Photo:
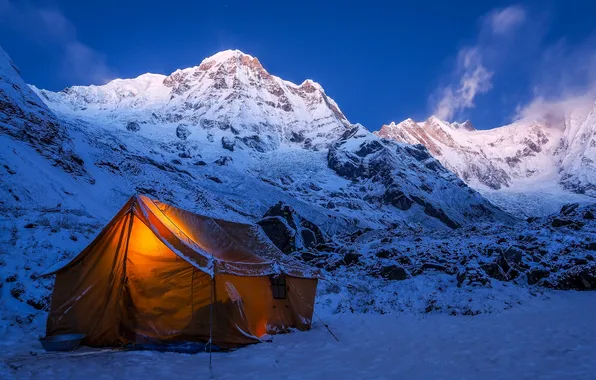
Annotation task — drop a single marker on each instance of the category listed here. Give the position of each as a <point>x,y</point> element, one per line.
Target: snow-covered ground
<point>552,338</point>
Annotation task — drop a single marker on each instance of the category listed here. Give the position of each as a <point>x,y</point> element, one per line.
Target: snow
<point>405,328</point>
<point>546,339</point>
<point>231,88</point>
<point>554,149</point>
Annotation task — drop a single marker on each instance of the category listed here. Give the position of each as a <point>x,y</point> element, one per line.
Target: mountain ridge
<point>558,148</point>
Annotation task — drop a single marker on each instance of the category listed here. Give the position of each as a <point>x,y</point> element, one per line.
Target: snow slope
<point>545,339</point>
<point>532,153</point>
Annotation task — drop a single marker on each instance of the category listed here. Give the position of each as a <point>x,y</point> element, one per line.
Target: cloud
<point>49,26</point>
<point>564,82</point>
<point>472,75</point>
<point>503,21</point>
<point>474,79</point>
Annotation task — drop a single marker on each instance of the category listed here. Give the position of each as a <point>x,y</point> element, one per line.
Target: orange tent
<point>157,273</point>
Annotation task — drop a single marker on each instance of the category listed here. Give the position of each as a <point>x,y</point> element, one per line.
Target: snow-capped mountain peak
<point>554,146</point>
<point>229,94</point>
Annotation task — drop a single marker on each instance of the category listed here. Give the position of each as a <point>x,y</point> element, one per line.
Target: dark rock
<point>440,214</point>
<point>133,126</point>
<point>30,225</point>
<point>200,163</point>
<point>223,160</point>
<point>569,208</point>
<point>580,277</point>
<point>177,161</point>
<point>394,273</point>
<point>11,278</point>
<point>385,253</point>
<point>589,215</point>
<point>42,304</point>
<point>308,256</point>
<point>256,143</point>
<point>512,256</point>
<point>228,143</point>
<point>561,222</point>
<point>418,151</point>
<point>182,132</point>
<point>532,219</point>
<point>397,198</point>
<point>279,232</point>
<point>296,222</point>
<point>297,137</point>
<point>308,238</point>
<point>351,258</point>
<point>591,246</point>
<point>536,274</point>
<point>214,179</point>
<point>403,260</point>
<point>438,267</point>
<point>472,275</point>
<point>369,147</point>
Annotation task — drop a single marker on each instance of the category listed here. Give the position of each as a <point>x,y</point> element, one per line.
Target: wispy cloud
<point>564,81</point>
<point>503,21</point>
<point>49,26</point>
<point>473,74</point>
<point>474,79</point>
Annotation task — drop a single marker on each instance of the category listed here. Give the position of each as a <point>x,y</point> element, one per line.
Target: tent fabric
<point>157,273</point>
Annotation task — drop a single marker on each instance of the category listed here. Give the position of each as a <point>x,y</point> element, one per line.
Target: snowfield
<point>547,338</point>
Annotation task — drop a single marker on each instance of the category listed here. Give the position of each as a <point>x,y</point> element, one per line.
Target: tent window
<point>278,287</point>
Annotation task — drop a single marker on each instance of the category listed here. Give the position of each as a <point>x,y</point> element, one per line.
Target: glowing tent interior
<point>157,273</point>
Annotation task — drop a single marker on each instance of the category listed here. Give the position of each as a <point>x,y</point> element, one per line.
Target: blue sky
<point>480,60</point>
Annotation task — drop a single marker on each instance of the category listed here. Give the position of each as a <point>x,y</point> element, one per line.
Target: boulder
<point>557,222</point>
<point>313,236</point>
<point>394,273</point>
<point>589,215</point>
<point>279,232</point>
<point>472,275</point>
<point>182,132</point>
<point>385,253</point>
<point>569,208</point>
<point>228,143</point>
<point>308,238</point>
<point>579,277</point>
<point>506,265</point>
<point>223,160</point>
<point>133,126</point>
<point>536,274</point>
<point>351,258</point>
<point>290,231</point>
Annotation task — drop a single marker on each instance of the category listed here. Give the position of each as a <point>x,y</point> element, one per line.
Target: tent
<point>160,274</point>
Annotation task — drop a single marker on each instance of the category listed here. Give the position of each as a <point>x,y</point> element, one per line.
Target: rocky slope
<point>554,149</point>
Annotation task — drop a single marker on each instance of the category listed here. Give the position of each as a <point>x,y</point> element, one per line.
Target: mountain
<point>24,117</point>
<point>388,225</point>
<point>230,95</point>
<point>69,161</point>
<point>230,110</point>
<point>557,149</point>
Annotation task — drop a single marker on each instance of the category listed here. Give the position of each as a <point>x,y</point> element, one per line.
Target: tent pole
<point>211,322</point>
